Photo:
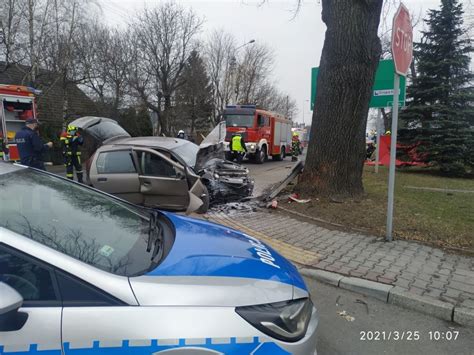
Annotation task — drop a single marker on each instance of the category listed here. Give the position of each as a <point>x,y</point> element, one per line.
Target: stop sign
<point>402,40</point>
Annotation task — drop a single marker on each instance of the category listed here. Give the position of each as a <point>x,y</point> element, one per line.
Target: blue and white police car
<point>82,272</point>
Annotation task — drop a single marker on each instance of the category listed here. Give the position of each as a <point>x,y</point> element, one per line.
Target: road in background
<point>337,335</point>
<point>270,173</point>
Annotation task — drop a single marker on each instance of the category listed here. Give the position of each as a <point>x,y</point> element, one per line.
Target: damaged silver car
<point>163,172</point>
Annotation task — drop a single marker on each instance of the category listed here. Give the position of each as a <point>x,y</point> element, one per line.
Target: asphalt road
<point>269,173</point>
<point>338,335</point>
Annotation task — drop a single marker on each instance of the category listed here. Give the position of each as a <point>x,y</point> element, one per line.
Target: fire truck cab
<point>265,133</point>
<point>17,104</point>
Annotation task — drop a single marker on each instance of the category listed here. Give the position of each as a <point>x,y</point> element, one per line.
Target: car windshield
<point>239,121</point>
<point>188,152</point>
<point>75,220</point>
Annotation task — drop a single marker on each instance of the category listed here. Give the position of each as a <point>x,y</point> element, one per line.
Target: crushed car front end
<point>226,181</point>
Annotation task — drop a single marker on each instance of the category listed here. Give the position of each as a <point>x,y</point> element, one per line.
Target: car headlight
<point>286,321</point>
<point>252,146</point>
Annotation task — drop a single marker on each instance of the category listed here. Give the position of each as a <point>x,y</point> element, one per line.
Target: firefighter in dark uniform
<point>72,155</point>
<point>295,146</point>
<point>237,147</point>
<point>3,147</point>
<point>30,145</point>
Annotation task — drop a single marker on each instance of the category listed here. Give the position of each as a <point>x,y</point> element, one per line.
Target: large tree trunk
<point>348,62</point>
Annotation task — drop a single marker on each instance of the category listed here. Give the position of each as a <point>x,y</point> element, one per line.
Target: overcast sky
<point>297,40</point>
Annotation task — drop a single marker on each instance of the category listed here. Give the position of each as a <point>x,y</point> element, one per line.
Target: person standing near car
<point>30,145</point>
<point>237,147</point>
<point>71,153</point>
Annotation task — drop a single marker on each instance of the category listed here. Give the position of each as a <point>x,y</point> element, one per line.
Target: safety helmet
<point>295,134</point>
<point>388,133</point>
<point>181,131</point>
<point>71,128</point>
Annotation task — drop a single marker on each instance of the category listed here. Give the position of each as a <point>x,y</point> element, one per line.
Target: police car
<point>82,272</point>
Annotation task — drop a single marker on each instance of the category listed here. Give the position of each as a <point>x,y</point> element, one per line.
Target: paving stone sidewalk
<point>420,269</point>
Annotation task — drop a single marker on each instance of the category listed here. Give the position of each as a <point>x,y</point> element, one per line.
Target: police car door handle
<point>102,179</point>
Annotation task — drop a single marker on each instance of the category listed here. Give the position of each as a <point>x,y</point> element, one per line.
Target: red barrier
<point>384,154</point>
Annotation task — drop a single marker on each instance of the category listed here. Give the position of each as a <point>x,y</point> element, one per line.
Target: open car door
<point>97,130</point>
<point>163,182</point>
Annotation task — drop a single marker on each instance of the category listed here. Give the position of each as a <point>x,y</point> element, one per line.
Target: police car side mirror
<point>10,302</point>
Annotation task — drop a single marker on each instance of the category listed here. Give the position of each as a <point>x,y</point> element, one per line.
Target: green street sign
<point>382,92</point>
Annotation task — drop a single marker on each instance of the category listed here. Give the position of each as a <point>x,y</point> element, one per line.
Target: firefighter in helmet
<point>237,147</point>
<point>295,146</point>
<point>71,140</point>
<point>181,134</point>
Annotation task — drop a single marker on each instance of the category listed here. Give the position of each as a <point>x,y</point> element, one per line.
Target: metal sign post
<point>378,127</point>
<point>393,156</point>
<point>402,51</point>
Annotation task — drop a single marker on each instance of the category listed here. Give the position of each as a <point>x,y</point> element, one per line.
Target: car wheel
<point>261,155</point>
<point>205,201</point>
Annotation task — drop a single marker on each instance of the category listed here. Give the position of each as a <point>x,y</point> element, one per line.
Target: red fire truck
<point>265,133</point>
<point>17,104</point>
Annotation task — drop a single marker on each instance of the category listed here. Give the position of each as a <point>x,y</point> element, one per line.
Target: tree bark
<point>350,56</point>
<point>387,121</point>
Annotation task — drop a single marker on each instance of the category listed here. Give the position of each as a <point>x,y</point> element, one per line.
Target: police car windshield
<point>239,121</point>
<point>76,221</point>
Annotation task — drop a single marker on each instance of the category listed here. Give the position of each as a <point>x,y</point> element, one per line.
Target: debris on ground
<point>273,204</point>
<point>346,316</point>
<point>364,303</point>
<point>296,198</point>
<point>336,199</point>
<point>235,207</point>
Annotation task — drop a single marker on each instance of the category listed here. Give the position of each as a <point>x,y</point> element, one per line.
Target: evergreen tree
<point>194,96</point>
<point>440,111</point>
<point>136,121</point>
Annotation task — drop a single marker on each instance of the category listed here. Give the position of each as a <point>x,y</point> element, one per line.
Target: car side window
<point>33,281</point>
<point>78,293</point>
<point>154,165</point>
<point>115,162</point>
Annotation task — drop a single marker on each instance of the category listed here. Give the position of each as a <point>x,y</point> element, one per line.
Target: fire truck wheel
<point>261,155</point>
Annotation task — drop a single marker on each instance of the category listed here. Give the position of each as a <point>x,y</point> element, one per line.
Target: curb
<point>394,295</point>
<point>462,315</point>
